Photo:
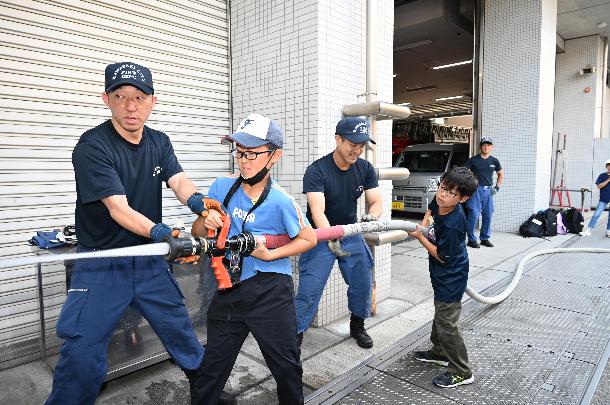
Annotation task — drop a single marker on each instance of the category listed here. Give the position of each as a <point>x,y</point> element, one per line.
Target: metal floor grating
<point>541,346</point>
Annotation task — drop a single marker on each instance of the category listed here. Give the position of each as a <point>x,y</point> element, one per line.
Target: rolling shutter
<point>52,60</point>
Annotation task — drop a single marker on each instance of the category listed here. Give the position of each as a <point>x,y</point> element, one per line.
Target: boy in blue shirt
<point>448,260</point>
<point>263,302</point>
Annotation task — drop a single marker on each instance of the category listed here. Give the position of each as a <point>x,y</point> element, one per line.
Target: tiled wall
<point>578,114</point>
<point>299,62</point>
<point>517,103</point>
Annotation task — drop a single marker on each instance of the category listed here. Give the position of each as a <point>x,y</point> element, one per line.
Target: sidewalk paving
<point>327,352</point>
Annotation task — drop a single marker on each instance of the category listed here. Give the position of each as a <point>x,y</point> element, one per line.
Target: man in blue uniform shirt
<point>333,185</point>
<point>120,167</point>
<point>481,203</point>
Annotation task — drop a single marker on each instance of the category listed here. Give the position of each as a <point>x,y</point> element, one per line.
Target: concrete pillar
<point>517,103</point>
<point>299,62</point>
<point>578,113</point>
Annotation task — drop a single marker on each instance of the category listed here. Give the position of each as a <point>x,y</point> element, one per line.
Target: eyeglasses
<point>448,193</point>
<point>248,154</point>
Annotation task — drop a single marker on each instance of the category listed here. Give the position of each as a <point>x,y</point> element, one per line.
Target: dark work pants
<point>264,306</point>
<point>446,336</point>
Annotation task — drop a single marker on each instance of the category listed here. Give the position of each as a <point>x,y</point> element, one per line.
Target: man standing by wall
<point>333,185</point>
<point>481,203</point>
<point>602,182</point>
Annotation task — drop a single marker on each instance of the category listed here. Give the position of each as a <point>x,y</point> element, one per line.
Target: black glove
<point>159,232</point>
<point>495,190</point>
<point>200,204</point>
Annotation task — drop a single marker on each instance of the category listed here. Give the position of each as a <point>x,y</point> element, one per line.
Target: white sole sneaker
<point>586,232</point>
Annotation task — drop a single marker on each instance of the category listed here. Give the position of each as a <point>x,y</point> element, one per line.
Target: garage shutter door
<point>52,60</point>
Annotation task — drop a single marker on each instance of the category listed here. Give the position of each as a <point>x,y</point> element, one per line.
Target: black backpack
<point>573,220</point>
<point>533,227</point>
<point>550,221</point>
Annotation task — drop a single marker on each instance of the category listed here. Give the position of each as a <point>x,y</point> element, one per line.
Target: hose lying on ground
<point>519,271</point>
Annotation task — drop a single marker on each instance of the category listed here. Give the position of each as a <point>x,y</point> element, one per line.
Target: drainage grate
<point>537,326</point>
<point>573,297</point>
<point>568,379</point>
<point>385,389</point>
<point>505,373</point>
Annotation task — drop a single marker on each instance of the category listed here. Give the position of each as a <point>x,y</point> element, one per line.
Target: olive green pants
<point>446,337</point>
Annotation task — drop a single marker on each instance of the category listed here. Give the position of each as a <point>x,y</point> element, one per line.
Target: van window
<point>424,161</point>
<point>459,158</point>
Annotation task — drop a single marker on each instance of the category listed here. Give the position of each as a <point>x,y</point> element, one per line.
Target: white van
<point>426,163</point>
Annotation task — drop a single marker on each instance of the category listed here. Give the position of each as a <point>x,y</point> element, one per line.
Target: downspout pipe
<point>372,92</point>
<point>371,95</point>
<point>605,108</point>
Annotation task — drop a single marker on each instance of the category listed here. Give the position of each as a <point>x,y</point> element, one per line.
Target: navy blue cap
<point>129,73</point>
<point>354,129</point>
<point>257,130</point>
<point>486,140</point>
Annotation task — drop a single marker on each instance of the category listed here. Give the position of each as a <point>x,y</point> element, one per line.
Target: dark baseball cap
<point>128,73</point>
<point>486,140</point>
<point>354,129</point>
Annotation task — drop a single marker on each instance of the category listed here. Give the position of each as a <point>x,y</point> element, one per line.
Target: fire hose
<point>243,244</point>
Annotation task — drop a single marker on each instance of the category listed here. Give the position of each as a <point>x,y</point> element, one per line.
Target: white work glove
<point>336,249</point>
<point>369,218</point>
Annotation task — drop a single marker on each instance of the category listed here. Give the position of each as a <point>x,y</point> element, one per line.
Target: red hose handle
<point>221,274</point>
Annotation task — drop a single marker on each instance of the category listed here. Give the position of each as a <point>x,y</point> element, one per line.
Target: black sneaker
<point>473,244</point>
<point>450,380</point>
<point>430,357</point>
<point>487,243</point>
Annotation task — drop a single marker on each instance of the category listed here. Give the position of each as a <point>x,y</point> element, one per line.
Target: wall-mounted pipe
<point>392,173</point>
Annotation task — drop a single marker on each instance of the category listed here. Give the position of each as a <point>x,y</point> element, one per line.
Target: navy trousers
<point>315,266</point>
<point>100,292</point>
<point>480,204</point>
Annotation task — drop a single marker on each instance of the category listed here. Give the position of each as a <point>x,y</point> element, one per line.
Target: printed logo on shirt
<point>492,166</point>
<point>241,214</point>
<point>157,171</point>
<point>431,234</point>
<point>360,188</point>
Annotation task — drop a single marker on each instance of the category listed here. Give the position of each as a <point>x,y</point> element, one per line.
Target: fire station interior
<point>433,76</point>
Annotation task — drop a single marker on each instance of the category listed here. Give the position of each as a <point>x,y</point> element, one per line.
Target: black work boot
<point>357,331</point>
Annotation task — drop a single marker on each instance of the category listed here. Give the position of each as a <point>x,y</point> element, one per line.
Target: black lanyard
<point>260,200</point>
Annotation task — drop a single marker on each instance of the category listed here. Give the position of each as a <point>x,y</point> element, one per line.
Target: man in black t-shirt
<point>481,203</point>
<point>333,185</point>
<point>119,167</point>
